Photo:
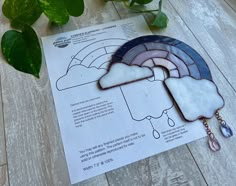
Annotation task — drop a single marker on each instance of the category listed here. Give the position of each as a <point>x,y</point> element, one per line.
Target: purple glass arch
<point>196,66</point>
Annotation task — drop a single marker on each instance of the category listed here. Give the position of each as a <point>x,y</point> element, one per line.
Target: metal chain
<point>208,130</point>
<point>219,118</point>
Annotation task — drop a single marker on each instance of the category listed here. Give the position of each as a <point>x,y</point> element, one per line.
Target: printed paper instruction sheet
<point>103,130</point>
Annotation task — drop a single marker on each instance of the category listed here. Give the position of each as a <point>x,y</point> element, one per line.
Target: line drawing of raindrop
<point>170,121</point>
<point>155,133</point>
<point>146,104</point>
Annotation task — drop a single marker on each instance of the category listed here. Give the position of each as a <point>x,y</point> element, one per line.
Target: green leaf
<point>75,7</point>
<point>132,2</point>
<point>55,10</point>
<point>22,50</point>
<point>21,11</point>
<point>142,2</point>
<point>161,20</point>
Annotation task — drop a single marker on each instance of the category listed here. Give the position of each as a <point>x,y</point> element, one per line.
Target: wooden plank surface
<point>218,168</point>
<point>2,133</point>
<point>34,149</point>
<point>232,4</point>
<point>2,128</point>
<point>174,167</point>
<point>100,180</point>
<point>3,176</point>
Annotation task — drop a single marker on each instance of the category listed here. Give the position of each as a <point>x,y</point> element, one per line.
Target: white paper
<point>106,129</point>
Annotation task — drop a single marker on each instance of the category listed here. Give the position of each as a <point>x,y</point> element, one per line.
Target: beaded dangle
<point>224,128</point>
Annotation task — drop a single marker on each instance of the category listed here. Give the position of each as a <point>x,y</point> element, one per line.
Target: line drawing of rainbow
<point>96,54</point>
<point>94,57</point>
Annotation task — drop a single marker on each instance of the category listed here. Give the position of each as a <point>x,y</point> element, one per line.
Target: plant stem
<point>160,5</point>
<point>144,11</point>
<point>137,10</point>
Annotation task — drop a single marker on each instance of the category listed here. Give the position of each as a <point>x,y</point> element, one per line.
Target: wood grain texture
<point>232,4</point>
<point>2,133</point>
<point>100,180</point>
<point>213,23</point>
<point>174,167</point>
<point>3,176</point>
<point>35,151</point>
<point>3,28</point>
<point>215,167</point>
<point>218,168</point>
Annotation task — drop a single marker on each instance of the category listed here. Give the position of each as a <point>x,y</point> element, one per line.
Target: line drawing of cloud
<point>120,73</point>
<point>79,75</point>
<point>196,99</point>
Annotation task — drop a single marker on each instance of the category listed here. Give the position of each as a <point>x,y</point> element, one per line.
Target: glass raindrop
<point>226,130</point>
<point>214,144</point>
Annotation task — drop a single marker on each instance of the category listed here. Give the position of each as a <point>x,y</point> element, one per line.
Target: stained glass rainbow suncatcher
<point>189,80</point>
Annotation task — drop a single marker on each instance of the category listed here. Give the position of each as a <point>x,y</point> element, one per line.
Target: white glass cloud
<point>195,98</point>
<point>121,73</point>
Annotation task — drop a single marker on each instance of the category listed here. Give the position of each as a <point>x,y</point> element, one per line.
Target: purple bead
<point>214,144</point>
